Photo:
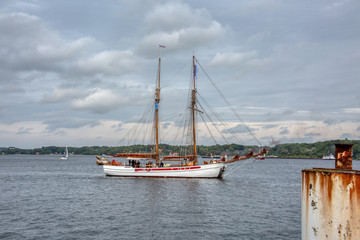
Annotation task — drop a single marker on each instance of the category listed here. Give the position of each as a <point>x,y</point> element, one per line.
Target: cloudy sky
<point>79,73</point>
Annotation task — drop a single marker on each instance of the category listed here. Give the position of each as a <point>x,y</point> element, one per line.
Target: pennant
<point>196,71</point>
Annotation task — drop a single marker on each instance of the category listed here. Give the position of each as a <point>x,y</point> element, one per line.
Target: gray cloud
<point>240,128</point>
<point>109,62</point>
<point>312,134</point>
<point>284,131</point>
<point>23,131</point>
<point>166,125</point>
<point>270,126</point>
<point>29,45</point>
<point>179,27</point>
<point>54,124</point>
<point>347,135</point>
<point>118,127</point>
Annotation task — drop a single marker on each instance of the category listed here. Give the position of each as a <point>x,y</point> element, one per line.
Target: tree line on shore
<point>286,150</point>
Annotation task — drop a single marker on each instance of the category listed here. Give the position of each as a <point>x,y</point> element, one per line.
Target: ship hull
<point>201,171</point>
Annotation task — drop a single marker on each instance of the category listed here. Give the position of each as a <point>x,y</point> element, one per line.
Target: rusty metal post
<point>330,207</point>
<point>343,156</point>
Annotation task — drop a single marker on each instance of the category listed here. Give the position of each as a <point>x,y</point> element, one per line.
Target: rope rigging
<point>181,128</point>
<point>227,102</point>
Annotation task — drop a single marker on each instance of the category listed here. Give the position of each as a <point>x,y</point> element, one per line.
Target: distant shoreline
<point>295,158</point>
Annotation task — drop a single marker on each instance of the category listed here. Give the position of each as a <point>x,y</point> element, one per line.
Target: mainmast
<point>157,101</point>
<point>193,104</point>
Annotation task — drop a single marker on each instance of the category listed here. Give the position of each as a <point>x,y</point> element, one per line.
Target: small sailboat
<point>66,155</point>
<point>189,166</point>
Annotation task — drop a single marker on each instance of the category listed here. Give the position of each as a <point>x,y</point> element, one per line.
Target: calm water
<point>43,197</point>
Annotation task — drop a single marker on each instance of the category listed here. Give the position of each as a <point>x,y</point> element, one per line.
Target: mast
<point>193,103</point>
<point>157,101</point>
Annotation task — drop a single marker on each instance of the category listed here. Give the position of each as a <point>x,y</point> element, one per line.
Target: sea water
<point>43,197</point>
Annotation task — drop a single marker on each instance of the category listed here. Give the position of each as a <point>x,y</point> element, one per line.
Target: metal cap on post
<point>343,156</point>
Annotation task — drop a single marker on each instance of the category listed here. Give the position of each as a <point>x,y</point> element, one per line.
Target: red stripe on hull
<point>165,169</point>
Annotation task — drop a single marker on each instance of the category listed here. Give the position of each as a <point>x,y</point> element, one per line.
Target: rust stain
<point>331,204</point>
<point>331,199</point>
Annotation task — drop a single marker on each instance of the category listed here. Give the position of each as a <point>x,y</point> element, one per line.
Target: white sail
<point>66,156</point>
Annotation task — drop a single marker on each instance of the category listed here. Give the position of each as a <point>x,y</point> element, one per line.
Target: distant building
<point>273,143</point>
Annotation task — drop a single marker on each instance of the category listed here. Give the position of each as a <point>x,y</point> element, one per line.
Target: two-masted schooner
<point>191,169</point>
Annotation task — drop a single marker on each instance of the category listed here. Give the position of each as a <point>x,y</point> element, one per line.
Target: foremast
<point>153,155</point>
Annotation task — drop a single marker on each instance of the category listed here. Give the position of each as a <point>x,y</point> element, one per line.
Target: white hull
<point>329,157</point>
<point>201,171</point>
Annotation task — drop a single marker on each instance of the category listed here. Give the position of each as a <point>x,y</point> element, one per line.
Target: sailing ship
<point>189,166</point>
<point>66,155</point>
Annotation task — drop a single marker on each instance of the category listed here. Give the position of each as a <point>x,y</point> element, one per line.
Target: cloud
<point>179,27</point>
<point>335,5</point>
<point>240,128</point>
<point>312,134</point>
<point>60,95</point>
<point>232,58</point>
<point>22,5</point>
<point>99,101</point>
<point>288,112</point>
<point>347,135</point>
<point>26,44</point>
<point>112,62</point>
<point>166,125</point>
<point>331,121</point>
<point>118,127</point>
<point>55,123</point>
<point>259,36</point>
<point>23,131</point>
<point>352,110</point>
<point>284,131</point>
<point>252,7</point>
<point>10,86</point>
<point>270,126</point>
